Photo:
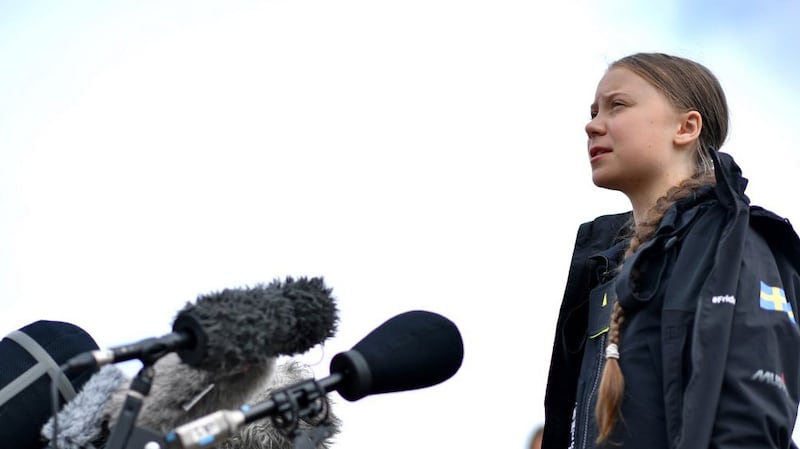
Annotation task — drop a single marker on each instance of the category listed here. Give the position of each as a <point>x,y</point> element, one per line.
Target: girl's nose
<point>594,127</point>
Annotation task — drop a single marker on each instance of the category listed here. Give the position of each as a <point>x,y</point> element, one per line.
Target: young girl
<point>677,327</point>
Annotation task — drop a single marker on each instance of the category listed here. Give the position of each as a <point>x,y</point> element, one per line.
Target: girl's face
<point>632,145</point>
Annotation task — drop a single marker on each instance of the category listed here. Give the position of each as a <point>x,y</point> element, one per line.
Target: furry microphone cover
<point>87,419</point>
<point>245,326</point>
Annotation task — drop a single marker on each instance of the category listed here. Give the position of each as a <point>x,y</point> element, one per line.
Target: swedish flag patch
<point>774,298</point>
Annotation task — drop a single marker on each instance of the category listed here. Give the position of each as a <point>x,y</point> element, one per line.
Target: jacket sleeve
<point>760,392</point>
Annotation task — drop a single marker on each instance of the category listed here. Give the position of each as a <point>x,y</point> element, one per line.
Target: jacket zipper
<point>592,391</point>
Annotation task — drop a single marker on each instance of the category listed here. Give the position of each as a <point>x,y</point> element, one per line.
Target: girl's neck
<point>644,199</point>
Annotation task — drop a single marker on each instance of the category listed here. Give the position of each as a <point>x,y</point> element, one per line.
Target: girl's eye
<point>593,114</point>
<point>617,103</point>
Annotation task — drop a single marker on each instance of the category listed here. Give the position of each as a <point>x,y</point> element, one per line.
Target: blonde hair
<point>689,86</point>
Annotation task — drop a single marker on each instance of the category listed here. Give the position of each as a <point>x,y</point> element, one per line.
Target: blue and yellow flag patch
<point>774,298</point>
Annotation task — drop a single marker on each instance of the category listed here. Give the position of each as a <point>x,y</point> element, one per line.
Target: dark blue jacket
<point>730,348</point>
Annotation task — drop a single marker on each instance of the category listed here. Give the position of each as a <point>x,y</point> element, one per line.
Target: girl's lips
<point>597,152</point>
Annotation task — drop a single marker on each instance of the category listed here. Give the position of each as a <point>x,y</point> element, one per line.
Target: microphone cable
<point>54,405</point>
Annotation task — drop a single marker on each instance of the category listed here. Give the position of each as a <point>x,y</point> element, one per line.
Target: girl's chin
<point>606,182</point>
<point>602,180</point>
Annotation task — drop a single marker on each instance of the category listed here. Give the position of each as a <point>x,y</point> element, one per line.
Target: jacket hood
<point>730,182</point>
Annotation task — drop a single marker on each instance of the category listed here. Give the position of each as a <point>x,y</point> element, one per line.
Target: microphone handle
<point>148,351</point>
<point>151,349</point>
<point>206,431</point>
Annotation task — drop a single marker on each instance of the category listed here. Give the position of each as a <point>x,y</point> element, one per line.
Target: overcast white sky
<point>416,154</point>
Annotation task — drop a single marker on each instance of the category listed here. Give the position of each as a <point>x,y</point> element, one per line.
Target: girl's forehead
<point>621,80</point>
<point>617,78</point>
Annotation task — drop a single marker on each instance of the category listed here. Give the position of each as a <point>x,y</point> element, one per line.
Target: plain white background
<point>417,155</point>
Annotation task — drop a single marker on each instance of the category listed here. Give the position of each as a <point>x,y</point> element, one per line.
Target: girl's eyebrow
<point>606,96</point>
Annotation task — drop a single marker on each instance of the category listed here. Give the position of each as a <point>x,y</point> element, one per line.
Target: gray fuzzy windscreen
<point>251,325</point>
<point>80,421</point>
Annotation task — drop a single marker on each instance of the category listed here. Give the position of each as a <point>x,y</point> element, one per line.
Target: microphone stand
<point>125,434</point>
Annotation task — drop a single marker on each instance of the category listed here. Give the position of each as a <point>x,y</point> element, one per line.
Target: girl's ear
<point>689,130</point>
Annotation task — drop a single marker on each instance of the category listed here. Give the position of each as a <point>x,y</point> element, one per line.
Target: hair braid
<point>612,383</point>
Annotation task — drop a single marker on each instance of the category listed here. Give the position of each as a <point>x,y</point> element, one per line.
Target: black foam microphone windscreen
<point>29,361</point>
<point>412,350</point>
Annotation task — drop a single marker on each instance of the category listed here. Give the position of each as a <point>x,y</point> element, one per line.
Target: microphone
<point>245,332</point>
<point>236,327</point>
<point>29,364</point>
<point>81,420</point>
<point>413,350</point>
